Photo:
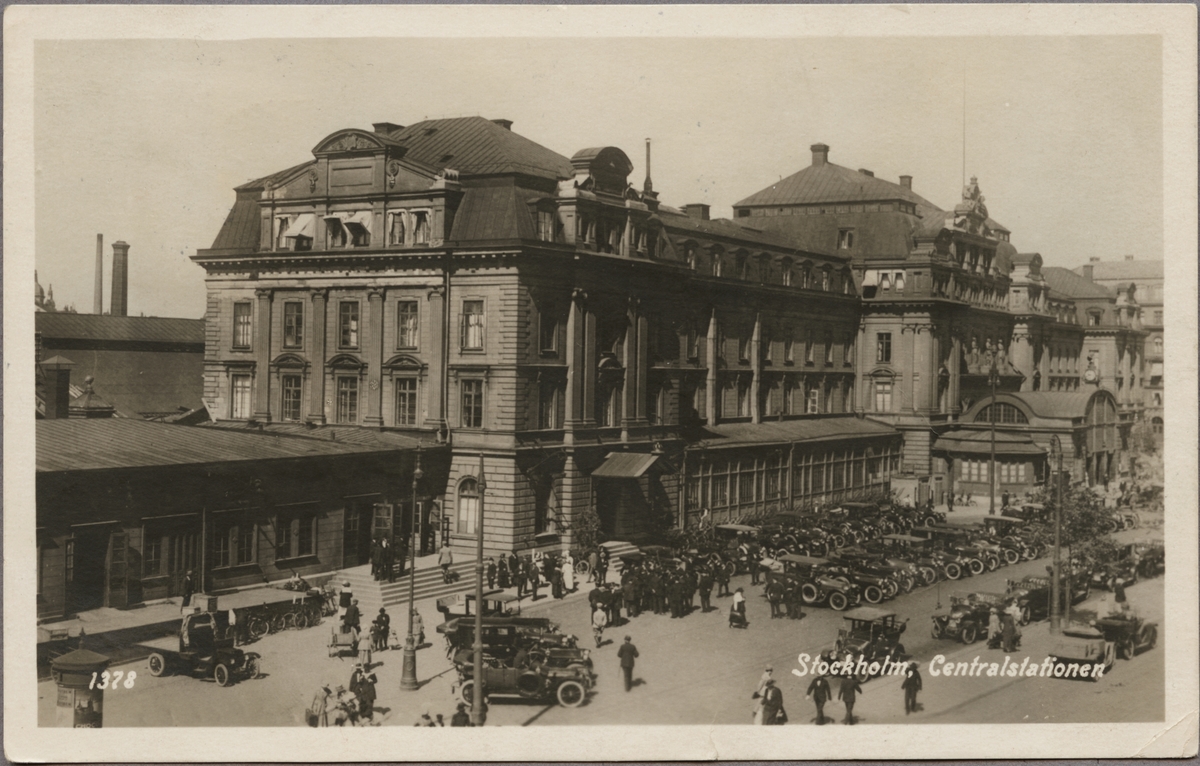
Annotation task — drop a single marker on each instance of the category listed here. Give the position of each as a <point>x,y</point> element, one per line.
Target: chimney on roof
<point>119,300</point>
<point>506,124</point>
<point>1129,257</point>
<point>98,298</point>
<point>820,154</point>
<point>647,185</point>
<point>57,372</point>
<point>697,210</point>
<point>1094,259</point>
<point>384,128</point>
<point>906,182</point>
<point>1087,272</point>
<point>866,172</point>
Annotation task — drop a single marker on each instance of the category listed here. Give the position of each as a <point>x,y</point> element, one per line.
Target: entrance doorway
<point>356,534</point>
<point>623,508</point>
<point>87,568</point>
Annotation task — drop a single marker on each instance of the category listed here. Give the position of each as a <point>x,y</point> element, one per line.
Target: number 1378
<point>112,680</point>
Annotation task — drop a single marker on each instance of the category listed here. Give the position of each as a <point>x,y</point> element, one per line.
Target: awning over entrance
<point>624,465</point>
<point>980,443</point>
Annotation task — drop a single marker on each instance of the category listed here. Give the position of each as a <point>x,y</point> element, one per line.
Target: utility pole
<point>1056,569</point>
<point>408,678</point>
<point>477,697</point>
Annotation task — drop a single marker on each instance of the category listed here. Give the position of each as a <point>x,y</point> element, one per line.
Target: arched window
<point>689,252</point>
<point>1158,346</point>
<point>468,505</point>
<point>1005,413</point>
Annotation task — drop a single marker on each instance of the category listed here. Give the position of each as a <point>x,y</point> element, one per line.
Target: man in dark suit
<point>848,694</point>
<point>911,685</point>
<point>627,654</point>
<point>705,585</point>
<point>819,692</point>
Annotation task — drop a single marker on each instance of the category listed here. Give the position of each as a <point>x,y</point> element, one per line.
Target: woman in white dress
<point>568,574</point>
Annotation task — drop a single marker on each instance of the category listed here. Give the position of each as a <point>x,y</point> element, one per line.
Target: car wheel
<point>953,571</point>
<point>157,664</point>
<point>969,634</point>
<point>466,692</point>
<point>1011,556</point>
<point>976,566</point>
<point>257,627</point>
<point>929,575</point>
<point>936,631</point>
<point>254,667</point>
<point>571,694</point>
<point>221,674</point>
<point>872,594</point>
<point>890,589</point>
<point>1125,649</point>
<point>1153,641</point>
<point>809,593</point>
<point>907,584</point>
<point>862,677</point>
<point>838,601</point>
<point>929,521</point>
<point>1025,615</point>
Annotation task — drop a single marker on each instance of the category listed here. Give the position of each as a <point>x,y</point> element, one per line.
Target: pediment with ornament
<point>404,363</point>
<point>350,141</point>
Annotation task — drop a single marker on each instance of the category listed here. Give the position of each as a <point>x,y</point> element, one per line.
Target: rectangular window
<point>290,397</point>
<point>472,325</point>
<point>546,224</point>
<point>548,405</point>
<point>845,239</point>
<point>421,227</point>
<point>221,548</point>
<point>848,350</point>
<point>825,280</point>
<point>828,348</point>
<point>283,538</point>
<point>745,396</point>
<point>282,223</point>
<point>883,397</point>
<point>547,332</point>
<point>472,403</point>
<point>693,344</point>
<point>348,324</point>
<point>244,543</point>
<point>152,555</point>
<point>241,324</point>
<point>347,400</point>
<point>335,233</point>
<point>1158,318</point>
<point>883,347</point>
<point>306,536</point>
<point>743,349</point>
<point>810,343</point>
<point>293,324</point>
<point>406,324</point>
<point>406,401</point>
<point>240,400</point>
<point>813,401</point>
<point>720,489</point>
<point>768,353</point>
<point>789,350</point>
<point>397,230</point>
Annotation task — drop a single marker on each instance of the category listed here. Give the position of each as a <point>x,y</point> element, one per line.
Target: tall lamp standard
<point>408,678</point>
<point>477,697</point>
<point>993,380</point>
<point>1056,455</point>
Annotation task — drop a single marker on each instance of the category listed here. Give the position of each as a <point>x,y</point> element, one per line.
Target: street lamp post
<point>1056,454</point>
<point>408,678</point>
<point>477,697</point>
<point>993,379</point>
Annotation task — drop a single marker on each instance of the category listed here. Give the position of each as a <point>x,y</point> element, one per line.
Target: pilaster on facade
<point>756,370</point>
<point>713,395</point>
<point>316,388</point>
<point>374,361</point>
<point>262,355</point>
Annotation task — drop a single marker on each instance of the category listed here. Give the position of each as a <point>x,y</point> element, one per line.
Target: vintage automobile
<point>1033,595</point>
<point>503,636</point>
<point>817,586</point>
<point>1130,633</point>
<point>1026,512</point>
<point>967,620</point>
<point>1105,576</point>
<point>869,558</point>
<point>204,648</point>
<point>872,634</point>
<point>1150,559</point>
<point>537,681</point>
<point>955,542</point>
<point>1082,650</point>
<point>495,603</point>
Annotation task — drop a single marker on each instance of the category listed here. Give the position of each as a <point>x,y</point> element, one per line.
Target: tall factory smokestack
<point>98,300</point>
<point>119,302</point>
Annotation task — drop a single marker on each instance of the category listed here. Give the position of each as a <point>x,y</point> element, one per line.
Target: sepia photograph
<point>667,371</point>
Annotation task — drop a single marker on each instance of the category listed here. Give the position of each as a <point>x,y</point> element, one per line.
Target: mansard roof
<point>478,146</point>
<point>1069,284</point>
<point>834,183</point>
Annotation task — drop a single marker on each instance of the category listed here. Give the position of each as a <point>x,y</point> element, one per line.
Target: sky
<point>144,140</point>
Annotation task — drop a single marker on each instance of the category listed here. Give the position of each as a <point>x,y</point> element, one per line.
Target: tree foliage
<point>586,529</point>
<point>1084,515</point>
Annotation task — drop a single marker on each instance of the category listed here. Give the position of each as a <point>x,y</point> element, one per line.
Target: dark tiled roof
<point>242,226</point>
<point>1056,404</point>
<point>491,213</point>
<point>833,183</point>
<point>360,437</point>
<point>978,442</point>
<point>478,146</point>
<point>99,327</point>
<point>259,184</point>
<point>677,222</point>
<point>787,431</point>
<point>1071,285</point>
<point>142,383</point>
<point>71,444</point>
<point>1126,270</point>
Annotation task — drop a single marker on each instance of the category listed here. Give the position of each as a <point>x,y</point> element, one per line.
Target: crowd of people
<point>529,574</point>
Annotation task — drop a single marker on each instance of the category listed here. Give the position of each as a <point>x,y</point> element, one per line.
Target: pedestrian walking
<point>345,596</point>
<point>1004,497</point>
<point>627,654</point>
<point>602,566</point>
<point>491,573</point>
<point>461,717</point>
<point>364,690</point>
<point>632,592</point>
<point>376,560</point>
<point>389,561</point>
<point>911,685</point>
<point>775,596</point>
<point>705,585</point>
<point>819,692</point>
<point>568,574</point>
<point>445,561</point>
<point>848,694</point>
<point>737,611</point>
<point>756,712</point>
<point>994,629</point>
<point>501,574</point>
<point>189,589</point>
<point>381,628</point>
<point>1008,632</point>
<point>722,575</point>
<point>599,623</point>
<point>517,568</point>
<point>531,572</point>
<point>593,560</point>
<point>1119,595</point>
<point>773,713</point>
<point>418,628</point>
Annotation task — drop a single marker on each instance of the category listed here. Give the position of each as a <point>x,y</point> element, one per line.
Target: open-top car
<point>204,648</point>
<point>1033,595</point>
<point>1150,558</point>
<point>967,620</point>
<point>817,586</point>
<point>1026,511</point>
<point>1130,633</point>
<point>556,673</point>
<point>1083,652</point>
<point>873,635</point>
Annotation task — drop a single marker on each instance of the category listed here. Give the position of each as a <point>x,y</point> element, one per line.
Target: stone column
<point>1126,374</point>
<point>581,364</point>
<point>756,370</point>
<point>955,373</point>
<point>262,356</point>
<point>908,373</point>
<point>710,401</point>
<point>435,354</point>
<point>316,387</point>
<point>629,391</point>
<point>374,355</point>
<point>643,360</point>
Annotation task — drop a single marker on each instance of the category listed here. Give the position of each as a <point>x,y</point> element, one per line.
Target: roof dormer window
<point>845,239</point>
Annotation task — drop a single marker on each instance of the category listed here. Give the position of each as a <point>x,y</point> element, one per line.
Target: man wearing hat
<point>911,685</point>
<point>461,717</point>
<point>344,597</point>
<point>819,692</point>
<point>627,654</point>
<point>759,693</point>
<point>772,705</point>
